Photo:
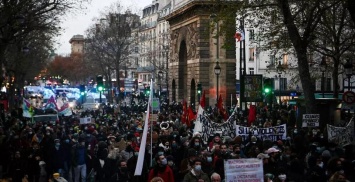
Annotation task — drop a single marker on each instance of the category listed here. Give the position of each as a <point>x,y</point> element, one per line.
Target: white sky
<point>78,23</point>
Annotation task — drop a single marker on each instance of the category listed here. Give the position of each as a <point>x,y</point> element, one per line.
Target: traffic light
<point>147,90</point>
<point>100,83</point>
<point>82,89</point>
<point>267,86</point>
<point>199,89</point>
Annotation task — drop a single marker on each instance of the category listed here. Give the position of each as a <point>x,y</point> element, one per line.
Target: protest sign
<point>310,120</point>
<point>209,128</point>
<point>86,120</point>
<point>244,170</point>
<point>272,133</point>
<point>341,135</point>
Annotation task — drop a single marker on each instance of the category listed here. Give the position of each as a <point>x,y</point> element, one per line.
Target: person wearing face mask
<point>173,166</point>
<point>207,165</point>
<point>161,169</point>
<point>57,159</point>
<point>121,175</point>
<point>196,174</point>
<point>79,156</point>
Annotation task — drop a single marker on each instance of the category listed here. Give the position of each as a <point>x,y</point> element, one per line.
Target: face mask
<point>198,168</point>
<point>164,162</point>
<point>82,143</point>
<point>63,122</point>
<point>282,176</point>
<point>170,163</point>
<point>174,145</point>
<point>57,144</point>
<point>160,153</point>
<point>197,144</point>
<point>209,159</point>
<point>30,133</point>
<point>67,141</point>
<point>136,153</point>
<point>321,165</point>
<point>123,169</point>
<point>48,133</point>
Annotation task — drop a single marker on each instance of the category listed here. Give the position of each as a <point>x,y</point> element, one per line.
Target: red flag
<point>252,114</point>
<point>184,112</point>
<point>191,116</point>
<point>221,109</point>
<point>203,100</point>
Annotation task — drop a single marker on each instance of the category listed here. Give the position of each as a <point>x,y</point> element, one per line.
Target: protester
<point>108,148</point>
<point>196,174</point>
<point>161,170</point>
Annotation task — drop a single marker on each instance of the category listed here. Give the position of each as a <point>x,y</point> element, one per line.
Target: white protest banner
<point>341,135</point>
<point>86,120</point>
<point>244,170</point>
<point>272,133</point>
<point>310,120</point>
<point>209,128</point>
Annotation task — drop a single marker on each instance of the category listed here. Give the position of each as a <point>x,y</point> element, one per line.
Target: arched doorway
<point>193,93</point>
<point>182,80</point>
<point>173,88</point>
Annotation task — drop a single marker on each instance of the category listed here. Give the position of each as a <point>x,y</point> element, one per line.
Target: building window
<point>136,49</point>
<point>272,59</point>
<point>283,84</point>
<point>251,34</point>
<point>251,71</point>
<point>328,83</point>
<point>251,54</point>
<point>284,59</point>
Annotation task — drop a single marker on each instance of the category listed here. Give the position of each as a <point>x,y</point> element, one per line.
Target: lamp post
<point>160,74</point>
<point>217,71</point>
<point>279,71</point>
<point>323,68</point>
<point>217,68</point>
<point>348,67</point>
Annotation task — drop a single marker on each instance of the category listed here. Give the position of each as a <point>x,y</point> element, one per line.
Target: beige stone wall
<point>194,29</point>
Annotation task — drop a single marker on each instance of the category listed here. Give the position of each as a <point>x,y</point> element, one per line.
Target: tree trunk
<point>306,80</point>
<point>300,45</point>
<point>351,9</point>
<point>335,74</point>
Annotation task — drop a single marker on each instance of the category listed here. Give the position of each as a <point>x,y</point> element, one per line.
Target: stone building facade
<point>193,57</point>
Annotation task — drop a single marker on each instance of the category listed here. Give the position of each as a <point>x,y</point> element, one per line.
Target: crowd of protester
<point>107,149</point>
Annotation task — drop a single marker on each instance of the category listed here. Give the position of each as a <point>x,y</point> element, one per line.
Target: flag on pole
<point>191,116</point>
<point>198,123</point>
<point>65,110</point>
<point>139,165</point>
<point>203,100</point>
<point>27,109</point>
<point>184,114</point>
<point>221,108</point>
<point>51,104</point>
<point>239,36</point>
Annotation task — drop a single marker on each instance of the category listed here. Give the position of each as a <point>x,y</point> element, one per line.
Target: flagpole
<point>151,124</point>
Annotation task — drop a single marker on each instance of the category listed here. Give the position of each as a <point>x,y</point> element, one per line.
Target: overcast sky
<point>78,23</point>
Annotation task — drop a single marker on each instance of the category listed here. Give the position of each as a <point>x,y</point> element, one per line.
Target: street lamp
<point>279,71</point>
<point>323,68</point>
<point>217,71</point>
<point>348,67</point>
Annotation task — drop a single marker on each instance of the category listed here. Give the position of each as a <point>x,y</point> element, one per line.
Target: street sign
<point>155,104</point>
<point>349,97</point>
<point>310,120</point>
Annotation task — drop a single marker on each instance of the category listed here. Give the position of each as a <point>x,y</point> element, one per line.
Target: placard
<point>341,135</point>
<point>86,120</point>
<point>310,120</point>
<point>253,91</point>
<point>244,170</point>
<point>272,133</point>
